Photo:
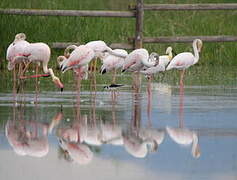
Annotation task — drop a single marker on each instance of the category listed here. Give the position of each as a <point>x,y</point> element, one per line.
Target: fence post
<point>139,24</point>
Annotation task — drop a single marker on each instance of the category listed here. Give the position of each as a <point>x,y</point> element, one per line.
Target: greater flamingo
<point>184,60</point>
<point>139,58</point>
<point>14,49</point>
<point>39,53</point>
<point>160,67</point>
<point>112,63</point>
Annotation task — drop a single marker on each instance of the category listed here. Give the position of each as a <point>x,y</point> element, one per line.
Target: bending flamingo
<point>139,58</point>
<point>160,67</point>
<point>39,53</point>
<point>184,60</point>
<point>112,63</point>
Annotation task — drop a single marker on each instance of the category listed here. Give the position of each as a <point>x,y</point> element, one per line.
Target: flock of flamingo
<point>78,58</point>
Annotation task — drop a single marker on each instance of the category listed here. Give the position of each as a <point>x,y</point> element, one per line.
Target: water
<point>126,135</point>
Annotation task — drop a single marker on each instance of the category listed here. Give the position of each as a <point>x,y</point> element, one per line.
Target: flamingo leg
<point>149,102</point>
<point>114,76</point>
<point>24,70</point>
<point>14,85</point>
<point>182,77</point>
<point>36,83</point>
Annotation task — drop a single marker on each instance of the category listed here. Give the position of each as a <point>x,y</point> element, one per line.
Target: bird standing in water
<point>184,60</point>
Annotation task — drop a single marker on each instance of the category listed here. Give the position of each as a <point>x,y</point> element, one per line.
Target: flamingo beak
<point>58,83</point>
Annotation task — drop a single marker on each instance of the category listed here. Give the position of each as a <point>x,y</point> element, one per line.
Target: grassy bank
<point>73,29</point>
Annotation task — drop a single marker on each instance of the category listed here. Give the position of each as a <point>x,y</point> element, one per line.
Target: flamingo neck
<point>195,148</point>
<point>67,50</point>
<point>45,67</point>
<point>170,55</point>
<point>110,51</point>
<point>150,62</point>
<point>195,50</point>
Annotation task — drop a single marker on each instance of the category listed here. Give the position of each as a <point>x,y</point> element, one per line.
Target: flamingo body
<point>14,49</point>
<point>111,62</point>
<point>81,56</point>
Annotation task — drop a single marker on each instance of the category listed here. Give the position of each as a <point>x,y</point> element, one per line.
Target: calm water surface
<point>161,131</point>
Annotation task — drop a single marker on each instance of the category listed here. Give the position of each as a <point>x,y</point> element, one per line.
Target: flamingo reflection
<point>27,137</point>
<point>71,138</point>
<point>182,135</point>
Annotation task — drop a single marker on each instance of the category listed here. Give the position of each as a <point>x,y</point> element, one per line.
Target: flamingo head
<point>199,44</point>
<point>58,83</point>
<point>61,60</point>
<point>154,57</point>
<point>20,36</point>
<point>103,70</point>
<point>168,50</point>
<point>10,65</point>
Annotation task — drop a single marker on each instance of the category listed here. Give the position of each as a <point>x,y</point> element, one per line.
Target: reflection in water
<point>79,139</point>
<point>27,137</point>
<point>182,135</point>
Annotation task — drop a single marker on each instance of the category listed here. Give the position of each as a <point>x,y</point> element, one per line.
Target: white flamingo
<point>139,58</point>
<point>112,63</point>
<point>40,53</point>
<point>184,60</point>
<point>83,54</point>
<point>184,136</point>
<point>16,48</point>
<point>160,67</point>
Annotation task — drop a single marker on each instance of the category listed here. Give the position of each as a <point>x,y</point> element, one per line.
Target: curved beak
<point>58,83</point>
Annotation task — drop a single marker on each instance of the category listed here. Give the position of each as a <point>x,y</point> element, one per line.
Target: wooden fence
<point>137,12</point>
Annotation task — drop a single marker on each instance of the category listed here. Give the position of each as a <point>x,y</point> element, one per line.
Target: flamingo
<point>39,53</point>
<point>112,63</point>
<point>15,48</point>
<point>139,58</point>
<point>184,60</point>
<point>160,67</point>
<point>184,136</point>
<point>80,54</point>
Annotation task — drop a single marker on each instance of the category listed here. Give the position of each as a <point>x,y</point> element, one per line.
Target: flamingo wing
<point>181,61</point>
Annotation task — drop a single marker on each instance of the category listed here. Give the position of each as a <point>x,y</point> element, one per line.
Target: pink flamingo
<point>15,48</point>
<point>184,60</point>
<point>112,63</point>
<point>139,58</point>
<point>39,53</point>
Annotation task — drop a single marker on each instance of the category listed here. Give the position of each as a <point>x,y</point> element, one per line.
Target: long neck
<point>195,50</point>
<point>110,51</point>
<point>150,62</point>
<point>68,49</point>
<point>45,67</point>
<point>195,147</point>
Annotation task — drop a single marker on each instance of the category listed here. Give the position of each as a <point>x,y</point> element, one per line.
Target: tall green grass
<point>82,29</point>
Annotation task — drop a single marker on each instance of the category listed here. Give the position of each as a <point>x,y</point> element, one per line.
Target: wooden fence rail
<point>34,12</point>
<point>181,7</point>
<point>138,13</point>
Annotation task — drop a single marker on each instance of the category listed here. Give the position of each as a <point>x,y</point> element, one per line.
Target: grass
<point>82,29</point>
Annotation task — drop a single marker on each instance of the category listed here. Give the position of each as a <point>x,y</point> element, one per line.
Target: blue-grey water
<point>122,135</point>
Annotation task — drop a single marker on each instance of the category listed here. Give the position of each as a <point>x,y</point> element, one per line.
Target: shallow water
<point>158,132</point>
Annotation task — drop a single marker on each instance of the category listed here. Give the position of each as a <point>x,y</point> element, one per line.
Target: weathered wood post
<point>139,24</point>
